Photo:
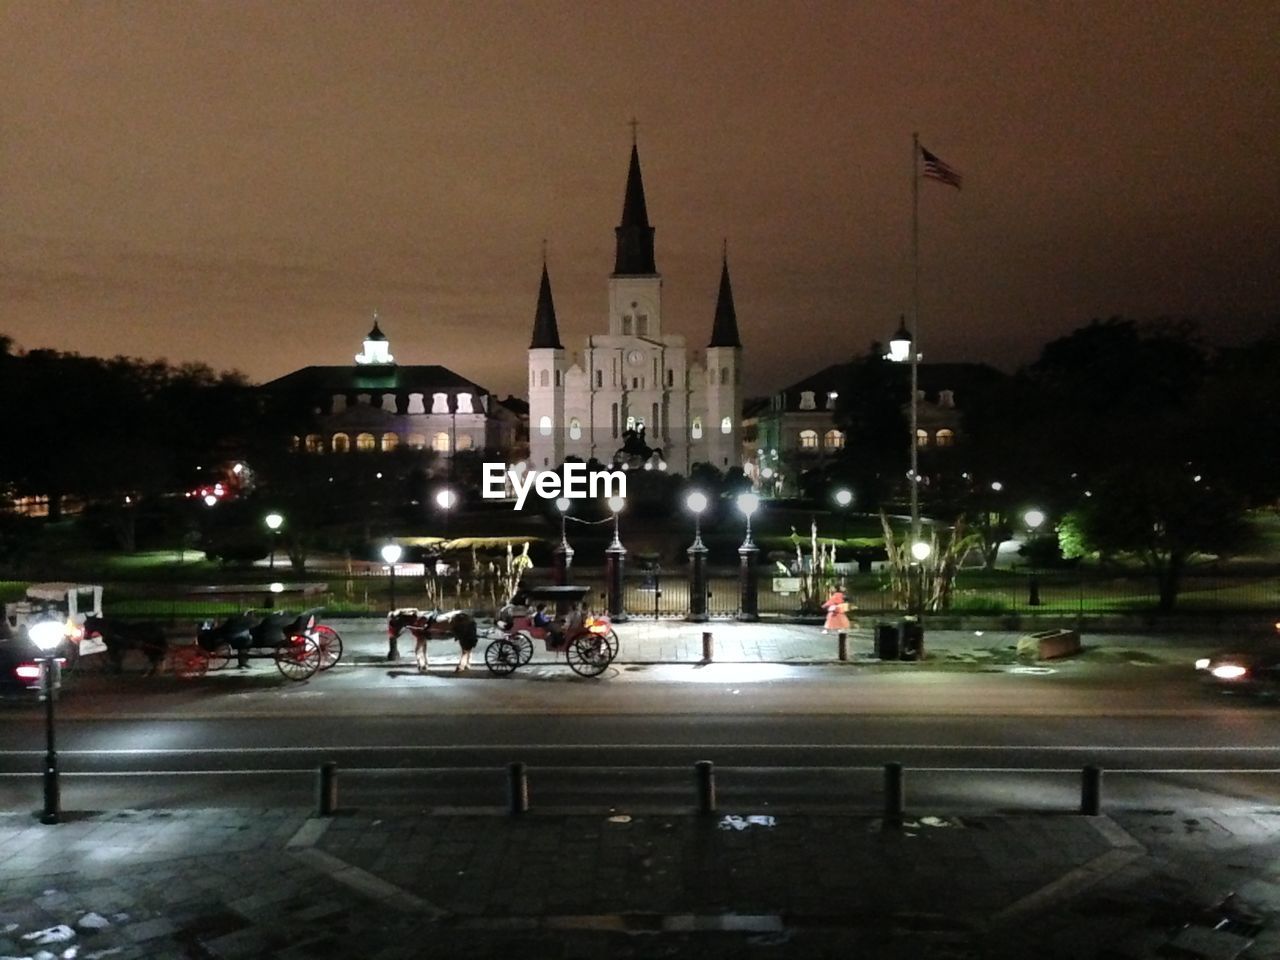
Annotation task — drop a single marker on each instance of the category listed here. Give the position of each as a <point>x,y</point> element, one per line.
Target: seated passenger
<point>540,617</point>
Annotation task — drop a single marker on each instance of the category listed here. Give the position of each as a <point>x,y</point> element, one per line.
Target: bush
<point>970,604</point>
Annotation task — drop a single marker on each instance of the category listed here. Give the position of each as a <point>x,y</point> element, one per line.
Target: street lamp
<point>696,501</point>
<point>273,522</point>
<point>48,635</point>
<point>562,556</point>
<point>614,558</point>
<point>843,498</point>
<point>1033,518</point>
<point>616,504</point>
<point>748,589</point>
<point>900,343</point>
<point>391,556</point>
<point>748,503</point>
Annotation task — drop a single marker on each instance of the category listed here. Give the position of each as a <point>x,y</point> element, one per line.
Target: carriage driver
<point>517,606</point>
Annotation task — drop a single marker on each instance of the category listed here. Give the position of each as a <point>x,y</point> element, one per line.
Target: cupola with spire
<point>377,349</point>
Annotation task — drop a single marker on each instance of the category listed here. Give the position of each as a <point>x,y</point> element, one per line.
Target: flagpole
<point>915,335</point>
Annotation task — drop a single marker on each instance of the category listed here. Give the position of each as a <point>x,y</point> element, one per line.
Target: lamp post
<point>843,498</point>
<point>748,589</point>
<point>273,522</point>
<point>903,349</point>
<point>562,556</point>
<point>1033,519</point>
<point>614,560</point>
<point>391,556</point>
<point>446,500</point>
<point>697,502</point>
<point>48,636</point>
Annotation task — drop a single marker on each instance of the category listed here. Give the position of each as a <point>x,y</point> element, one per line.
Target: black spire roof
<point>545,331</point>
<point>635,236</point>
<point>375,333</point>
<point>724,333</point>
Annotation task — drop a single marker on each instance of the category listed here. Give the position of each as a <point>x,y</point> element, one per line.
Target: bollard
<point>895,800</point>
<point>842,646</point>
<point>708,646</point>
<point>517,789</point>
<point>705,776</point>
<point>1091,791</point>
<point>327,789</point>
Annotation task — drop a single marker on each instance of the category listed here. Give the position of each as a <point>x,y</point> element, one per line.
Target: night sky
<point>243,184</point>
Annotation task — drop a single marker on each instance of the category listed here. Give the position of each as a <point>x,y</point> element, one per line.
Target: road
<point>782,737</point>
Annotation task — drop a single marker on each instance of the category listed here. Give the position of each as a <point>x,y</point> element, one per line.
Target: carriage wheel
<point>502,656</point>
<point>330,645</point>
<point>298,659</point>
<point>189,662</point>
<point>220,656</point>
<point>588,655</point>
<point>524,646</point>
<point>611,639</point>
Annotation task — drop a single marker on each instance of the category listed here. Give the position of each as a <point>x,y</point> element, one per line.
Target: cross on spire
<point>633,124</point>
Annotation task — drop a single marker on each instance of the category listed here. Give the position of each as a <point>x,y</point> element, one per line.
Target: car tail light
<point>1229,671</point>
<point>28,671</point>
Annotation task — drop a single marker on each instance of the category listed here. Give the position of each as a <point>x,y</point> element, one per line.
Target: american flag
<point>936,169</point>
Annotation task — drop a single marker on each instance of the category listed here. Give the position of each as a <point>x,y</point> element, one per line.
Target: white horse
<point>432,625</point>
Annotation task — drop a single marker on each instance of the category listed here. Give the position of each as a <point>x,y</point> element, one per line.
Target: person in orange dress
<point>837,611</point>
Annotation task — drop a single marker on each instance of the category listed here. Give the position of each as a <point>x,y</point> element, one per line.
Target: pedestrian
<point>837,611</point>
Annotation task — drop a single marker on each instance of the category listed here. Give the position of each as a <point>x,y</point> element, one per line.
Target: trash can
<point>887,646</point>
<point>912,646</point>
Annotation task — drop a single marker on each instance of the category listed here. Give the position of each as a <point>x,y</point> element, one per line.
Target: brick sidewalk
<point>391,884</point>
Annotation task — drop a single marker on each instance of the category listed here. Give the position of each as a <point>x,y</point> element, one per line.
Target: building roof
<point>373,378</point>
<point>724,332</point>
<point>375,333</point>
<point>962,379</point>
<point>634,235</point>
<point>546,333</point>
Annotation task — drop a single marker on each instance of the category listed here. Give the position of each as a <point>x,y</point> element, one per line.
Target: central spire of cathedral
<point>635,236</point>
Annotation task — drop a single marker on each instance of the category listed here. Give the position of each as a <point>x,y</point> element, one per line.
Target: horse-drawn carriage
<point>298,644</point>
<point>587,640</point>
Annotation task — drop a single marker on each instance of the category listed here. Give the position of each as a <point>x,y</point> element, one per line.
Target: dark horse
<point>121,636</point>
<point>432,625</point>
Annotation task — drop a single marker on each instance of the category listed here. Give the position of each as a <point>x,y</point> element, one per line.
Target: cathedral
<point>636,395</point>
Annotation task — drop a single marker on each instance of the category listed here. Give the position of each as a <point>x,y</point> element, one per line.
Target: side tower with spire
<point>724,379</point>
<point>547,364</point>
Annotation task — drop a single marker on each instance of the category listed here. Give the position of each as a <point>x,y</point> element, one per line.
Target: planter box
<point>1050,644</point>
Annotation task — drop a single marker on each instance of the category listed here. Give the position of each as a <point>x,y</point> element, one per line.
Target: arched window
<point>464,442</point>
<point>544,379</point>
<point>642,326</point>
<point>557,378</point>
<point>724,374</point>
<point>439,403</point>
<point>806,400</point>
<point>834,440</point>
<point>726,425</point>
<point>922,438</point>
<point>314,443</point>
<point>366,442</point>
<point>696,429</point>
<point>575,429</point>
<point>417,441</point>
<point>464,403</point>
<point>533,378</point>
<point>390,441</point>
<point>944,437</point>
<point>544,426</point>
<point>341,443</point>
<point>671,378</point>
<point>440,442</point>
<point>808,439</point>
<point>626,326</point>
